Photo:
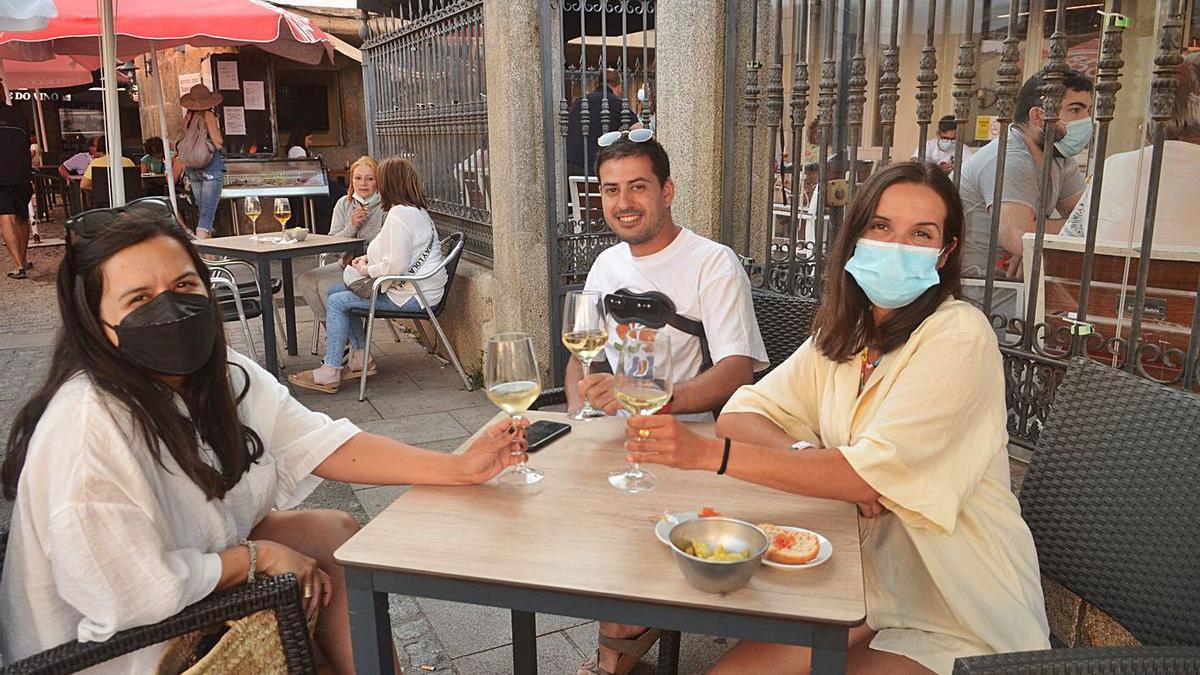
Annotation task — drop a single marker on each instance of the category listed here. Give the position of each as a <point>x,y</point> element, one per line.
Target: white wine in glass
<point>283,211</point>
<point>584,333</point>
<point>510,374</point>
<point>253,211</point>
<point>643,383</point>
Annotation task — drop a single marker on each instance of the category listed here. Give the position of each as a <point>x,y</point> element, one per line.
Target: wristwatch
<point>801,445</point>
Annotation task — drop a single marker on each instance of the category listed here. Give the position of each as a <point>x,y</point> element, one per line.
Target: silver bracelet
<point>253,559</point>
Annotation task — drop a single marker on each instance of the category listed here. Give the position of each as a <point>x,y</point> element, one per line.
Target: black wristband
<point>724,458</point>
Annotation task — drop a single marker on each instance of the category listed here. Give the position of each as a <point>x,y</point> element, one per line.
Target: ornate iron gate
<point>426,91</point>
<point>1036,342</point>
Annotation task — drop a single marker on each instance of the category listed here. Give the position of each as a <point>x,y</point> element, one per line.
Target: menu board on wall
<point>246,110</point>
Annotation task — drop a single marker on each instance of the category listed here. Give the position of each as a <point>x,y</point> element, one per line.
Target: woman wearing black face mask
<point>145,470</point>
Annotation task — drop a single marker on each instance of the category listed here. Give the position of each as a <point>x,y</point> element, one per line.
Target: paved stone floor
<point>416,398</point>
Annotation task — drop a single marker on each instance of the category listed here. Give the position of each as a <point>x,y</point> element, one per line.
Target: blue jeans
<point>340,326</point>
<point>206,188</point>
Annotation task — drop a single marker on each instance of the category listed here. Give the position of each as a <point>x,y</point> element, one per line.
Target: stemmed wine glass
<point>253,211</point>
<point>283,211</point>
<point>584,333</point>
<point>510,374</point>
<point>642,383</point>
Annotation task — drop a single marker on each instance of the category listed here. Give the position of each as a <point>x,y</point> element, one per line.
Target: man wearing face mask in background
<point>1022,174</point>
<point>940,150</point>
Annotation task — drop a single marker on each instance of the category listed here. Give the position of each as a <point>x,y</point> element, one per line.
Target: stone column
<point>517,157</point>
<point>690,60</point>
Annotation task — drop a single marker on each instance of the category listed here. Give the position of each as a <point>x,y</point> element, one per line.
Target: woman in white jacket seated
<point>407,245</point>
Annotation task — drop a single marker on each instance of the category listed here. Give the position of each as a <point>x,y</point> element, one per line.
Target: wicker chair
<point>1111,500</point>
<point>280,594</point>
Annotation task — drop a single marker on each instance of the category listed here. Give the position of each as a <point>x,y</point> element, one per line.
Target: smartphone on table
<point>543,433</point>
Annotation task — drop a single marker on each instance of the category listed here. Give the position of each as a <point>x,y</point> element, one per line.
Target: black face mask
<point>172,334</point>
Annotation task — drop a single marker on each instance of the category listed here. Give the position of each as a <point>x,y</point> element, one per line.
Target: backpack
<point>195,149</point>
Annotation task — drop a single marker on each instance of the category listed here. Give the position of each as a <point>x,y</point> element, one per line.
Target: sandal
<point>306,380</point>
<point>18,274</point>
<point>631,650</point>
<point>350,374</point>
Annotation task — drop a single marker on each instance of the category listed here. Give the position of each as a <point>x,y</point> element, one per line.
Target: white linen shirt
<point>103,538</point>
<point>406,232</point>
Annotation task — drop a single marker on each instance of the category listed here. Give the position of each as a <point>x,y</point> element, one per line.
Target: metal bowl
<point>298,233</point>
<point>715,576</point>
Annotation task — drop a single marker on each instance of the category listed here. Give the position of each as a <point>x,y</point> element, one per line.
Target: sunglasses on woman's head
<point>636,135</point>
<point>89,223</point>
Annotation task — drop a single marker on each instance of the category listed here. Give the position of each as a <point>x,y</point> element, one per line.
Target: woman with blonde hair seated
<point>359,214</point>
<point>407,245</point>
<point>895,404</point>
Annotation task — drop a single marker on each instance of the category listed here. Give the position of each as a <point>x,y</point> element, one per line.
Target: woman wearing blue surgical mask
<point>896,404</point>
<point>155,467</point>
<point>358,215</point>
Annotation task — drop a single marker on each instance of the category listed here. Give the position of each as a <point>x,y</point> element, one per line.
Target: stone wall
<point>468,318</point>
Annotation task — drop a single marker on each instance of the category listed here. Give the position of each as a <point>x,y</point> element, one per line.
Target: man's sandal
<point>631,650</point>
<point>17,274</point>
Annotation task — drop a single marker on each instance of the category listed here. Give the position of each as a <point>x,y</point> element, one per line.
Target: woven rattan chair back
<point>1111,497</point>
<point>785,323</point>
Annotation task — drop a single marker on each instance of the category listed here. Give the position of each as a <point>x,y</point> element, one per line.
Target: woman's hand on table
<point>275,559</point>
<point>663,439</point>
<point>501,446</point>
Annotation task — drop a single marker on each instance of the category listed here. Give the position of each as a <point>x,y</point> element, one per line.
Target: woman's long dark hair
<point>82,347</point>
<point>296,139</point>
<point>844,324</point>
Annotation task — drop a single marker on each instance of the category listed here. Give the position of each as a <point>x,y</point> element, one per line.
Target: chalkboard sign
<point>245,83</point>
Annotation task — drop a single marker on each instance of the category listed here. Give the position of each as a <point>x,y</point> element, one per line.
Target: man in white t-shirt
<point>704,281</point>
<point>940,149</point>
<point>702,278</point>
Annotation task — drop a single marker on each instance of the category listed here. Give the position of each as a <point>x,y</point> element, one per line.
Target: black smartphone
<point>541,434</point>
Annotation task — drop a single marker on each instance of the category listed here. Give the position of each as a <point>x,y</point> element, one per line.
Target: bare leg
<point>766,657</point>
<point>16,237</point>
<point>862,660</point>
<point>317,533</point>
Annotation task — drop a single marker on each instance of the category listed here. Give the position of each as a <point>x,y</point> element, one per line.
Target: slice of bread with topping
<point>790,547</point>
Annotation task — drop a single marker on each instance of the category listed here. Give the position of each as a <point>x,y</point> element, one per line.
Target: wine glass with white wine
<point>253,210</point>
<point>584,333</point>
<point>642,383</point>
<point>283,211</point>
<point>510,374</point>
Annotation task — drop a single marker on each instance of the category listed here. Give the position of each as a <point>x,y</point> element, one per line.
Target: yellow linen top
<point>952,570</point>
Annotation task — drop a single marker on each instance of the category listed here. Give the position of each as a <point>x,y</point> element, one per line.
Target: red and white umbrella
<point>141,26</point>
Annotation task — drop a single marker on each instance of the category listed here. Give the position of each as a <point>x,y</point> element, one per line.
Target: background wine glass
<point>584,333</point>
<point>283,211</point>
<point>253,211</point>
<point>642,383</point>
<point>510,374</point>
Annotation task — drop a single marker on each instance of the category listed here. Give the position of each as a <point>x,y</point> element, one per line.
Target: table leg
<point>268,316</point>
<point>289,305</point>
<point>370,627</point>
<point>524,643</point>
<point>829,646</point>
<point>668,652</point>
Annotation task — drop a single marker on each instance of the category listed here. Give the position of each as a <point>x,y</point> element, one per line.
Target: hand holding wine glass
<point>510,374</point>
<point>643,383</point>
<point>584,333</point>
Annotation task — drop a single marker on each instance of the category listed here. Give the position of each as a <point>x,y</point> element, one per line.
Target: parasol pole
<point>168,157</point>
<point>112,111</point>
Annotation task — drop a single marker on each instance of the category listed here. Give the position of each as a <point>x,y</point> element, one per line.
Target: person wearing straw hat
<point>200,151</point>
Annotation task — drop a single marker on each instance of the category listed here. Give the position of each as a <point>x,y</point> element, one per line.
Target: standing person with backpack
<point>200,151</point>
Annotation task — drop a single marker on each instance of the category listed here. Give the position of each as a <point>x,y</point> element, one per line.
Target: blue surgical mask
<point>945,144</point>
<point>369,201</point>
<point>893,275</point>
<point>1079,135</point>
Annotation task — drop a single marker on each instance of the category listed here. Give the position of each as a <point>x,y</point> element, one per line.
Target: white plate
<point>663,528</point>
<point>823,554</point>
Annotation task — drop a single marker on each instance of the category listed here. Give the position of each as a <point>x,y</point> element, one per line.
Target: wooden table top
<point>267,245</point>
<point>574,533</point>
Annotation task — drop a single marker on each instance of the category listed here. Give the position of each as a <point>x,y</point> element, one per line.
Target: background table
<point>260,254</point>
<point>575,546</point>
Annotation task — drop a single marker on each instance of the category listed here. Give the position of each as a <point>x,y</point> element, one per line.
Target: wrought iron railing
<point>1039,338</point>
<point>426,90</point>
